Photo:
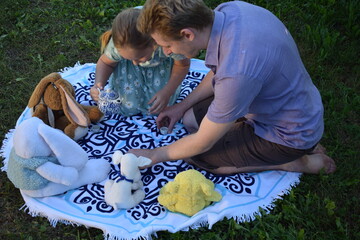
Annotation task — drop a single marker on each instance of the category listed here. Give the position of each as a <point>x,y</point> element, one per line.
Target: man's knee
<point>189,121</point>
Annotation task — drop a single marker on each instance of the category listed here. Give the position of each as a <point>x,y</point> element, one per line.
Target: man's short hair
<point>169,17</point>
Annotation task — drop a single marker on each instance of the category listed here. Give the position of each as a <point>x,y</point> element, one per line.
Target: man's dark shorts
<point>241,147</point>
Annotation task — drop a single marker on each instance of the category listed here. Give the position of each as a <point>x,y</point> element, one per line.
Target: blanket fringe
<point>52,220</point>
<point>203,222</point>
<point>4,145</point>
<point>267,208</point>
<point>109,236</point>
<point>65,69</point>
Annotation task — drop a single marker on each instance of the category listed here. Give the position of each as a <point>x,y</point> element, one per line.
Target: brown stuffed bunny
<point>53,101</point>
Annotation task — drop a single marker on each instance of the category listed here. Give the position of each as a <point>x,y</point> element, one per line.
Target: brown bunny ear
<point>72,109</point>
<point>40,89</point>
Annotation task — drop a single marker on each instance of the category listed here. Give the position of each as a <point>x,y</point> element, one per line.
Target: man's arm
<point>201,92</point>
<point>204,139</point>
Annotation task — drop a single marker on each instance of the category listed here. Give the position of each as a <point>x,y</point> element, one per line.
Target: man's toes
<point>331,166</point>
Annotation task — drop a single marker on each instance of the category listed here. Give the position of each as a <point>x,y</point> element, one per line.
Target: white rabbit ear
<point>117,156</point>
<point>144,161</point>
<point>67,151</point>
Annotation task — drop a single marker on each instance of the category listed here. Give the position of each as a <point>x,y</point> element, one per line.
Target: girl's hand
<point>94,92</point>
<point>159,101</point>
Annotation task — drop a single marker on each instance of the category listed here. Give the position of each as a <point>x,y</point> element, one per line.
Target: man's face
<point>183,46</point>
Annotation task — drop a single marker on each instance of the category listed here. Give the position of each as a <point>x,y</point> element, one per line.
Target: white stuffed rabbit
<point>126,190</point>
<point>45,162</point>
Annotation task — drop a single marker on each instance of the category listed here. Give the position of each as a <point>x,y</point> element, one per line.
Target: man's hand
<point>145,153</point>
<point>170,116</point>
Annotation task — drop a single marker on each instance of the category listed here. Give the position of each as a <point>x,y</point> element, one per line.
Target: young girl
<point>146,79</point>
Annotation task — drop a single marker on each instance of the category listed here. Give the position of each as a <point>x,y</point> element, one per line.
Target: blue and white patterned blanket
<point>243,194</point>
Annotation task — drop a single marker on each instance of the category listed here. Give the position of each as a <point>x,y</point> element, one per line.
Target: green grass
<point>39,37</point>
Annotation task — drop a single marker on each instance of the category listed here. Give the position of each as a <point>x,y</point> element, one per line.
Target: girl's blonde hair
<point>124,32</point>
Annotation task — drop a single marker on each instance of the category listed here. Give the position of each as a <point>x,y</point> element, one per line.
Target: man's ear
<point>188,33</point>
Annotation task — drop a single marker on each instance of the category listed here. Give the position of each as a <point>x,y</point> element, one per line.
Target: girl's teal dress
<point>136,85</point>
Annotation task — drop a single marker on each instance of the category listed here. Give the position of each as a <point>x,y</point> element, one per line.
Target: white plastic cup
<point>163,130</point>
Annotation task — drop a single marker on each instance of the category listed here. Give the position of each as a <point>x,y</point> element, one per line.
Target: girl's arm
<point>104,68</point>
<point>161,99</point>
<point>178,73</point>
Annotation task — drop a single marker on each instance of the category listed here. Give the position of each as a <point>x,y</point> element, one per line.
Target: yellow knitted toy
<point>189,193</point>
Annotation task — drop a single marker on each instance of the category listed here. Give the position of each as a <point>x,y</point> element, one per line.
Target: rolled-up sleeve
<point>111,52</point>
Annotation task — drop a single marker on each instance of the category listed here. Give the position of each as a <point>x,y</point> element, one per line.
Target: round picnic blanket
<point>242,194</point>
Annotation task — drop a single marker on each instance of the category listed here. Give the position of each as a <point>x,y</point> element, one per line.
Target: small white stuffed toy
<point>46,162</point>
<point>125,191</point>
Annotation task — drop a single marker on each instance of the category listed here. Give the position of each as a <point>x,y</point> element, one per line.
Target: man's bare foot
<point>313,164</point>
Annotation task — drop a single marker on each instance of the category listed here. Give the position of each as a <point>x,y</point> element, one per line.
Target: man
<point>257,109</point>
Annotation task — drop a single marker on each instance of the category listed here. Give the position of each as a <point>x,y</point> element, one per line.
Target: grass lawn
<point>39,37</point>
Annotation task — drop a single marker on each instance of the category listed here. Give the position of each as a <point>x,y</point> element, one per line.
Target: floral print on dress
<point>162,72</point>
<point>128,88</point>
<point>128,104</point>
<point>157,81</point>
<point>137,83</point>
<point>149,74</point>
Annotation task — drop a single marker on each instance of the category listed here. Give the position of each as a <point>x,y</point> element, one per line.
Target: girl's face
<point>135,55</point>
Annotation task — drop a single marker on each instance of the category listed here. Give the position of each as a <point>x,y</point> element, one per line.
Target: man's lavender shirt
<point>259,75</point>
